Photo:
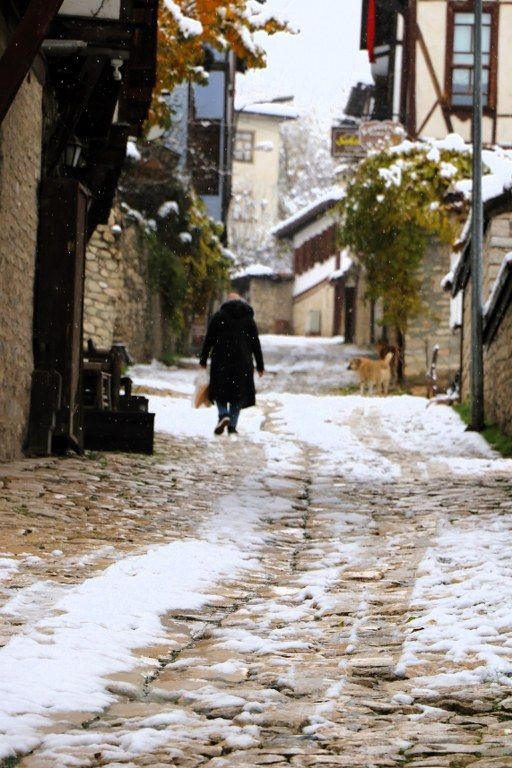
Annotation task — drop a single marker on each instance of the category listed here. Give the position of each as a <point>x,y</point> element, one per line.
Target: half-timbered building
<point>422,65</point>
<point>325,288</point>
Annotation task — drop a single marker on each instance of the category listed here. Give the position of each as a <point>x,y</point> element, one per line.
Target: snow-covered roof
<point>304,216</point>
<point>258,270</point>
<point>279,111</point>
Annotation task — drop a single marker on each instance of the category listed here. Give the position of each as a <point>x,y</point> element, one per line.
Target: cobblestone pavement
<point>299,663</point>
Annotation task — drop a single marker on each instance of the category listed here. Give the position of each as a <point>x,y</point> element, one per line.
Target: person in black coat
<point>232,338</point>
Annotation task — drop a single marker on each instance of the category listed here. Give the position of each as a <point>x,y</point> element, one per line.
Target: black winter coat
<point>232,338</point>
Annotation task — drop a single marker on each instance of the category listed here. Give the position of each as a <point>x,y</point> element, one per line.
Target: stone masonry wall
<point>433,326</point>
<point>497,243</point>
<point>273,304</point>
<point>497,378</point>
<point>103,284</point>
<point>119,304</point>
<point>20,167</point>
<point>139,320</point>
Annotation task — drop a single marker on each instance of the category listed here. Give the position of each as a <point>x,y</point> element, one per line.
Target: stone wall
<point>272,302</point>
<point>119,303</point>
<point>433,326</point>
<point>497,243</point>
<point>20,167</point>
<point>497,378</point>
<point>103,284</point>
<point>430,328</point>
<point>139,319</point>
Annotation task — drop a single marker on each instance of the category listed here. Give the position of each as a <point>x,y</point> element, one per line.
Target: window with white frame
<point>244,146</point>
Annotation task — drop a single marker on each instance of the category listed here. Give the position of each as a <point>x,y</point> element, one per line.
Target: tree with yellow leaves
<point>186,27</point>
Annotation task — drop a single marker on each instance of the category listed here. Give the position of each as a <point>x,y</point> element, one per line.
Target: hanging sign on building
<point>377,134</point>
<point>345,142</point>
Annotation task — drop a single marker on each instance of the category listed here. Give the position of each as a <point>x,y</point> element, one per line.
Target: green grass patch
<point>10,762</point>
<point>171,359</point>
<point>493,434</point>
<point>351,389</point>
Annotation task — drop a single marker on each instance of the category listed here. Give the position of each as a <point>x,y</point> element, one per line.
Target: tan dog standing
<point>372,373</point>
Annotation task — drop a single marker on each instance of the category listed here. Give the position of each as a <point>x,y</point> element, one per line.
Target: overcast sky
<point>319,64</point>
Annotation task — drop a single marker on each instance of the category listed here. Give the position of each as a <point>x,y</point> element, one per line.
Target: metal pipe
<point>477,363</point>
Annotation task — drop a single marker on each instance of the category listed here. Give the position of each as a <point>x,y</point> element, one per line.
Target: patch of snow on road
<point>60,663</point>
<point>8,566</point>
<point>177,417</point>
<point>277,340</point>
<point>461,605</point>
<point>160,376</point>
<point>321,422</point>
<point>360,438</point>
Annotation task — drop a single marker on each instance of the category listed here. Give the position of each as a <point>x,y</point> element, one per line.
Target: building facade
<point>254,208</point>
<point>422,66</point>
<point>324,278</point>
<point>20,172</point>
<point>270,294</point>
<point>75,79</point>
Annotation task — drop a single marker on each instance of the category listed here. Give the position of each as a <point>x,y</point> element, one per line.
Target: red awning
<point>370,29</point>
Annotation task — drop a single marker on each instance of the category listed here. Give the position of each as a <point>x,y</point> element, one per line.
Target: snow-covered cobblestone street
<point>332,587</point>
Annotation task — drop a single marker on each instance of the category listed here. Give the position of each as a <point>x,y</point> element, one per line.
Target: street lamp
<point>477,363</point>
<point>73,152</point>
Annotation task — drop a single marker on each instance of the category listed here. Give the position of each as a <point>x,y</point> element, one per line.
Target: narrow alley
<point>328,588</point>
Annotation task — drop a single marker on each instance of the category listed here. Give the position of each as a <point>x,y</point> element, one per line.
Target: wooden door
<point>339,291</point>
<point>59,303</point>
<point>350,314</point>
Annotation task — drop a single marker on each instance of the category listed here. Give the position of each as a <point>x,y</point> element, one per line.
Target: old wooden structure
<point>96,61</point>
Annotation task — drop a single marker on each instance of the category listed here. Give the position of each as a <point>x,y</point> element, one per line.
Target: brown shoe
<point>221,426</point>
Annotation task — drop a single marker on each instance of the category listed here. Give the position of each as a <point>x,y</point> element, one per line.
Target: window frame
<point>250,134</point>
<point>461,6</point>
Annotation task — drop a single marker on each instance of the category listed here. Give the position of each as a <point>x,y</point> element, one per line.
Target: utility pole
<point>477,362</point>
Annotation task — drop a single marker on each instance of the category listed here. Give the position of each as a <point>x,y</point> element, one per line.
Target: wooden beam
<point>441,97</point>
<point>22,49</point>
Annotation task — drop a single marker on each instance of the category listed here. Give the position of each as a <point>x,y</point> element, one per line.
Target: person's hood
<point>237,308</point>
